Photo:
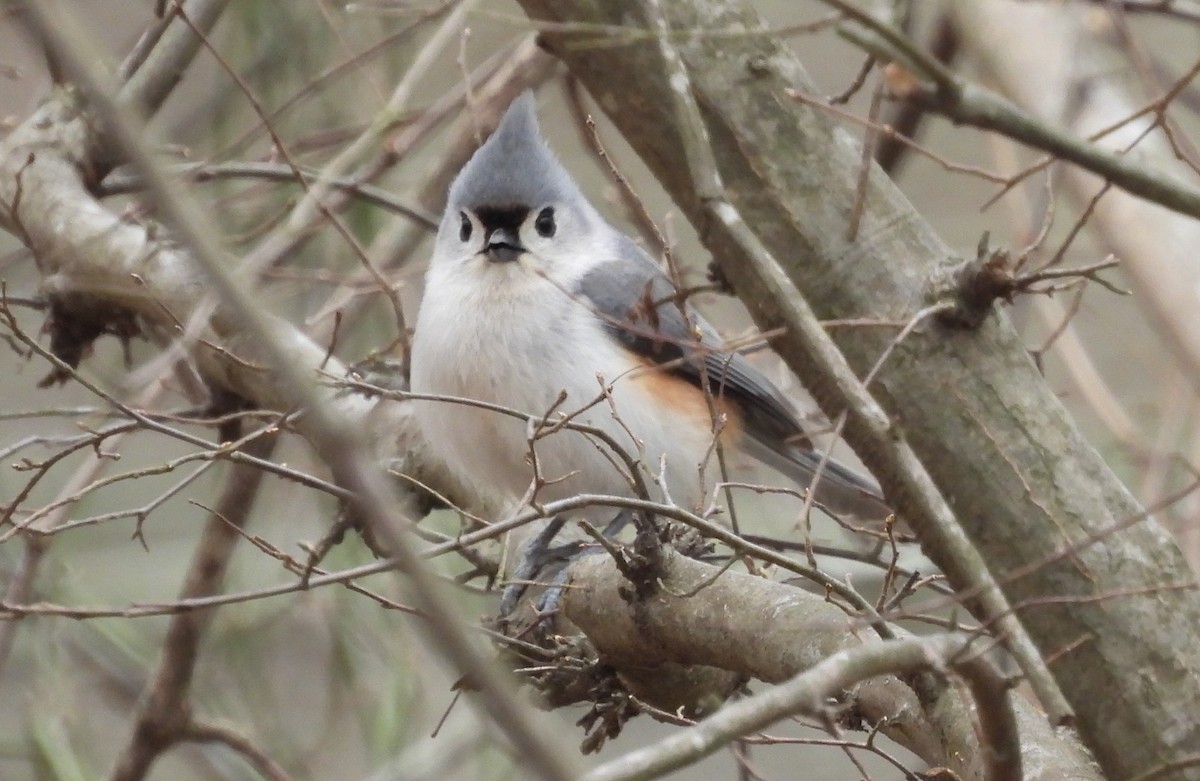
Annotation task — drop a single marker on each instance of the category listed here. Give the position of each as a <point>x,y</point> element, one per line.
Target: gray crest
<point>514,167</point>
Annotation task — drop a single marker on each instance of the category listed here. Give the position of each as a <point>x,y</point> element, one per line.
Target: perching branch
<point>846,678</point>
<point>699,617</point>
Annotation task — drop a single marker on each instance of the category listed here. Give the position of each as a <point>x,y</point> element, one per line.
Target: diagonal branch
<point>941,92</point>
<point>926,509</point>
<point>155,74</point>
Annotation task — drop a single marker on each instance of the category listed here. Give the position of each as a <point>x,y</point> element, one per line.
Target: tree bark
<point>772,631</point>
<point>1075,553</point>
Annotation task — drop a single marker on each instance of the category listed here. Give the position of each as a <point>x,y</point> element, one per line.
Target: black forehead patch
<point>508,217</point>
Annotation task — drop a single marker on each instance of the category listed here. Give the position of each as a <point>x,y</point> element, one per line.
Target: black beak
<point>503,246</point>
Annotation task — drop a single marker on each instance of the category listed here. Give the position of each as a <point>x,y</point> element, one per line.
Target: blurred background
<point>334,685</point>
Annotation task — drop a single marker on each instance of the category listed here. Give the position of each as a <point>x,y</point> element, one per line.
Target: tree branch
<point>154,76</point>
<point>969,104</point>
<point>700,617</point>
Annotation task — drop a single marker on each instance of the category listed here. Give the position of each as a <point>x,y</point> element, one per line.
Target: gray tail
<point>842,490</point>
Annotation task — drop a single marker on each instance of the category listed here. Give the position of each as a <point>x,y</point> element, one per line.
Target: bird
<point>534,304</point>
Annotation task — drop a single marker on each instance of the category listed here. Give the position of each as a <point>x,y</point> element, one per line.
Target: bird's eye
<point>544,224</point>
<point>464,228</point>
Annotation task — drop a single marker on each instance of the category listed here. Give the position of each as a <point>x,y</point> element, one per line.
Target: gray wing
<point>639,305</point>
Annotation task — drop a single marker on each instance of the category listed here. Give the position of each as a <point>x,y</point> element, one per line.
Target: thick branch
<point>699,618</point>
<point>154,78</point>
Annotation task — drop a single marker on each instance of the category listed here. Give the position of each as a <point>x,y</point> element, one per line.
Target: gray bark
<point>697,618</point>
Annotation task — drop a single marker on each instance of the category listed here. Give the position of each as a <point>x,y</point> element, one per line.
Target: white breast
<point>519,341</point>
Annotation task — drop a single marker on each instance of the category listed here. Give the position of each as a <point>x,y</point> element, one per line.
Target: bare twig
<point>235,741</point>
<point>888,133</point>
<point>123,182</point>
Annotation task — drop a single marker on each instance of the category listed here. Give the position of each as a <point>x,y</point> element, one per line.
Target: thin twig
<point>975,106</point>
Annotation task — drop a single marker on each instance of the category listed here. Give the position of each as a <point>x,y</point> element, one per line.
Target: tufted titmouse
<point>531,294</point>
